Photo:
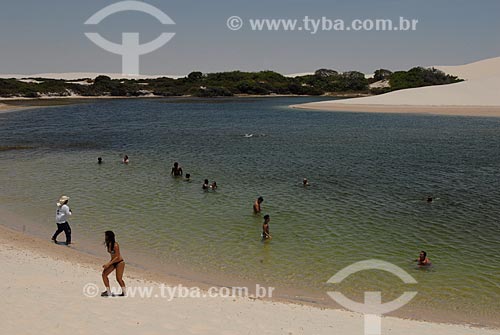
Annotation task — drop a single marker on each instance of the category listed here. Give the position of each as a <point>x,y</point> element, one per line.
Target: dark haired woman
<point>116,263</point>
<point>422,259</point>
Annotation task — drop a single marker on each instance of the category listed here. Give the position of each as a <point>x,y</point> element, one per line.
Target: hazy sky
<point>48,36</point>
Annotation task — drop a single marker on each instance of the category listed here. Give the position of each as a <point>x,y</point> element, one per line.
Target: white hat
<point>62,200</point>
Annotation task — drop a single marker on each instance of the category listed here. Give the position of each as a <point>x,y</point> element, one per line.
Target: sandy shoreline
<point>8,105</point>
<point>483,111</point>
<point>44,283</point>
<point>16,104</point>
<point>334,106</point>
<point>10,108</point>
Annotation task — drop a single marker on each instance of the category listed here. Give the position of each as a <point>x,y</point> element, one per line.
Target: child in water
<point>257,205</point>
<point>265,228</point>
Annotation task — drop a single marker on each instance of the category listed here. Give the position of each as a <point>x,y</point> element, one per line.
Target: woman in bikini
<point>116,263</point>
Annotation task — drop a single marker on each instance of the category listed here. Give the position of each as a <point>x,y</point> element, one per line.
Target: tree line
<point>323,81</point>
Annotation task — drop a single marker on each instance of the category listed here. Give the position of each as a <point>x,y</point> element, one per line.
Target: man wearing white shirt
<point>62,214</point>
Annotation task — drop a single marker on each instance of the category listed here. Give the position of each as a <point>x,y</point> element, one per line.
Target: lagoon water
<point>369,176</point>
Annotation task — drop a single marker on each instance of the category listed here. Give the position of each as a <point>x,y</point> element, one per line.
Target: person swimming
<point>422,259</point>
<point>305,182</point>
<point>430,199</point>
<point>188,177</point>
<point>125,159</point>
<point>213,186</point>
<point>257,205</point>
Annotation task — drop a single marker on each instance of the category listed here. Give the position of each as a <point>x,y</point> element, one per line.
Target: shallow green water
<point>369,174</point>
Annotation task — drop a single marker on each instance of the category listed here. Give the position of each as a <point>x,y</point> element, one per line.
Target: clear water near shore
<point>369,175</point>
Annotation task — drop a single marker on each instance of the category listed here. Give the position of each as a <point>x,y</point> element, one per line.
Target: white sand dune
<point>482,69</point>
<point>299,74</point>
<point>477,95</point>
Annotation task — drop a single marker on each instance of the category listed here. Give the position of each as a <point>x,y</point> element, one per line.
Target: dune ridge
<point>476,95</point>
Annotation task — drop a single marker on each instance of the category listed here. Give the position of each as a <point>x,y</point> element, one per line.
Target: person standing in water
<point>257,205</point>
<point>116,263</point>
<point>62,214</point>
<point>205,185</point>
<point>176,170</point>
<point>125,159</point>
<point>265,228</point>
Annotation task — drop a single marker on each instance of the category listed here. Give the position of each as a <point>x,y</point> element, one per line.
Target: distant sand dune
<point>84,75</point>
<point>477,95</point>
<point>477,70</point>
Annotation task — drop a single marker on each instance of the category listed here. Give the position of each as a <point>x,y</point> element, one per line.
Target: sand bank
<point>42,288</point>
<point>485,111</point>
<point>17,105</point>
<point>9,108</point>
<point>476,96</point>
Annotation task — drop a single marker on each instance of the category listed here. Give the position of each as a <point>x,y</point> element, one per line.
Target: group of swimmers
<point>117,262</point>
<point>207,186</point>
<point>125,160</point>
<point>257,208</point>
<point>177,172</point>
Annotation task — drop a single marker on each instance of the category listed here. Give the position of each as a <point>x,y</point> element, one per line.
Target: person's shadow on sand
<point>61,243</point>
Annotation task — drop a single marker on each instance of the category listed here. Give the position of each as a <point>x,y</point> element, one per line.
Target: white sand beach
<point>476,96</point>
<point>42,292</point>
